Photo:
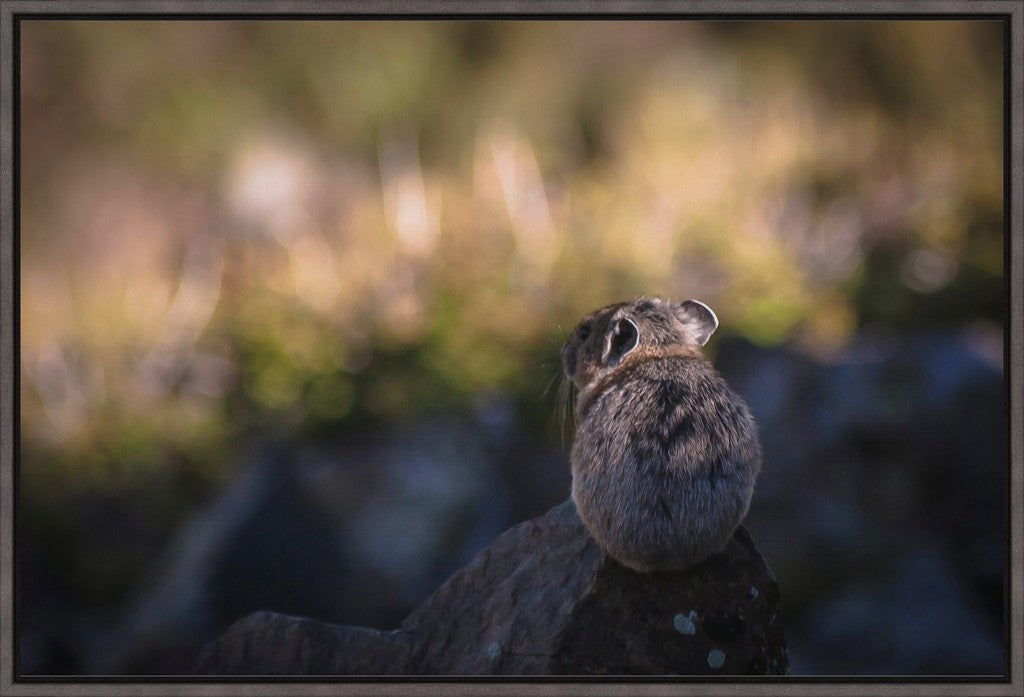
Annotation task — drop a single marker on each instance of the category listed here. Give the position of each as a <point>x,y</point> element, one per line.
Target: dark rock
<point>360,531</point>
<point>888,451</point>
<point>269,643</point>
<point>542,599</point>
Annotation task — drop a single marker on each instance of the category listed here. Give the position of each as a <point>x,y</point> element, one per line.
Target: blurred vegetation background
<point>234,232</point>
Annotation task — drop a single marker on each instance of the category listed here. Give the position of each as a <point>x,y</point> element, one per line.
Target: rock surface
<point>542,599</point>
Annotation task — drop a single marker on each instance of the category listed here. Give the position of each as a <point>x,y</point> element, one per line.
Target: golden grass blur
<point>255,207</point>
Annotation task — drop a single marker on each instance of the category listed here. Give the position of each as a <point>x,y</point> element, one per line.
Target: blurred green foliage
<point>240,228</point>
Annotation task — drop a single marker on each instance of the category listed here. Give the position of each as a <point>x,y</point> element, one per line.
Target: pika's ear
<point>620,340</point>
<point>700,321</point>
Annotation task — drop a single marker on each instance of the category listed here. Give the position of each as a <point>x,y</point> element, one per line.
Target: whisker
<point>566,405</point>
<point>550,383</point>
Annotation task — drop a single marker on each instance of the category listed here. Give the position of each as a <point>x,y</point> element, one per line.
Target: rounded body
<point>664,463</point>
<point>665,455</point>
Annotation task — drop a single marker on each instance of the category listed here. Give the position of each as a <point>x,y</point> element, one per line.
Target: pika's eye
<point>584,331</point>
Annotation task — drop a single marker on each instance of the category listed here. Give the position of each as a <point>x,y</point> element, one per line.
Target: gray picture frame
<point>1011,11</point>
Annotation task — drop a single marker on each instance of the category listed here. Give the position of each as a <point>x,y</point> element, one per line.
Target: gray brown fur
<point>665,454</point>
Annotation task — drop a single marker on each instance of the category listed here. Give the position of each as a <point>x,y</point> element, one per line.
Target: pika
<point>665,455</point>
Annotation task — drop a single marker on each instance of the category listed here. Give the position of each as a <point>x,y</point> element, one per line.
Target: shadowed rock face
<point>542,599</point>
